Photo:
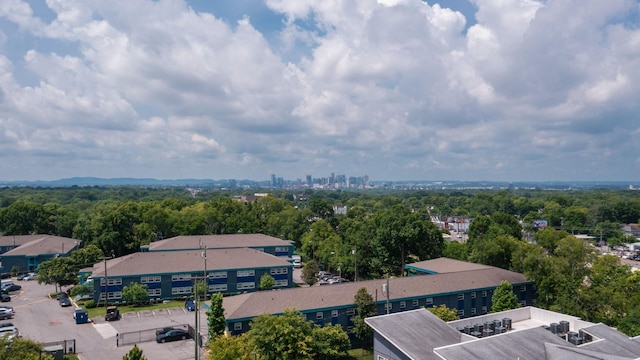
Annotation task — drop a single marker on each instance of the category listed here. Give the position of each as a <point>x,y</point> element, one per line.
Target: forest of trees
<point>380,233</point>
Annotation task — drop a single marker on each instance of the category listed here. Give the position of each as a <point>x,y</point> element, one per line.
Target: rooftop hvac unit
<point>496,323</point>
<point>477,334</point>
<point>467,329</point>
<point>575,340</point>
<point>554,328</point>
<point>487,332</point>
<point>477,327</point>
<point>564,326</point>
<point>506,323</point>
<point>500,330</point>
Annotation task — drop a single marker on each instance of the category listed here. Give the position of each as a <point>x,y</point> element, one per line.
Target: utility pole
<point>355,265</point>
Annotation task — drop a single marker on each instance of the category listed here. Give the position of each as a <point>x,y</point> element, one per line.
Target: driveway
<point>43,320</point>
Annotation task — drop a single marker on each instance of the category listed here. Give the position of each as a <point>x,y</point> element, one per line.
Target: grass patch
<point>360,353</point>
<point>100,311</point>
<point>71,357</point>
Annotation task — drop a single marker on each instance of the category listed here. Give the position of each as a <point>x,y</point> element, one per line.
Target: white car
<point>30,277</point>
<point>10,332</point>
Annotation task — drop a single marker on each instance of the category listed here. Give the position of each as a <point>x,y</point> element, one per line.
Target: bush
<point>90,304</point>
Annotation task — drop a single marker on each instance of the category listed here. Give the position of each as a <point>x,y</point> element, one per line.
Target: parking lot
<point>43,320</point>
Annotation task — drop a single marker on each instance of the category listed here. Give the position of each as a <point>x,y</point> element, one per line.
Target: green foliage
<point>444,313</point>
<point>15,270</point>
<point>85,289</point>
<point>215,317</point>
<point>330,342</point>
<point>87,256</point>
<point>504,298</point>
<point>90,304</point>
<point>225,347</point>
<point>455,250</point>
<point>134,354</point>
<point>135,293</point>
<point>365,307</point>
<point>496,251</point>
<point>309,272</point>
<point>58,271</point>
<point>288,336</point>
<point>267,282</point>
<point>21,349</point>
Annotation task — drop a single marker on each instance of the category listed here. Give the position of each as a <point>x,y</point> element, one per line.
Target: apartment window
<point>154,292</point>
<point>524,302</point>
<point>460,296</point>
<point>351,311</point>
<point>523,288</point>
<point>276,271</point>
<point>473,295</point>
<point>403,304</point>
<point>473,311</point>
<point>218,275</point>
<point>415,303</point>
<point>388,306</point>
<point>380,357</point>
<point>150,279</point>
<point>319,315</point>
<point>334,313</point>
<point>246,285</point>
<point>112,281</point>
<point>281,283</point>
<point>484,293</point>
<point>181,290</point>
<point>180,277</point>
<point>484,309</point>
<point>245,273</point>
<point>282,249</point>
<point>429,301</point>
<point>460,313</point>
<point>237,326</point>
<point>218,288</point>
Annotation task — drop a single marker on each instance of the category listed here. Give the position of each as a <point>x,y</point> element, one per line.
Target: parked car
<point>112,314</point>
<point>30,277</point>
<point>6,298</point>
<point>172,335</point>
<point>61,295</point>
<point>64,302</point>
<point>5,276</point>
<point>11,287</point>
<point>21,276</point>
<point>10,332</point>
<point>190,305</point>
<point>164,330</point>
<point>6,314</point>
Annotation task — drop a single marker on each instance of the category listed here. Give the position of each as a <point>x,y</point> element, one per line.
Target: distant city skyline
<point>491,90</point>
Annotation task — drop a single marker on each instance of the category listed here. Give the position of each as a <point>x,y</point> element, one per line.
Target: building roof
<point>406,332</point>
<point>17,240</point>
<point>161,262</point>
<point>227,241</point>
<point>446,265</point>
<point>528,339</point>
<point>44,245</point>
<point>342,295</point>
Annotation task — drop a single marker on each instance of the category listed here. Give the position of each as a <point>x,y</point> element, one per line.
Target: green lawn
<point>100,311</point>
<point>358,354</point>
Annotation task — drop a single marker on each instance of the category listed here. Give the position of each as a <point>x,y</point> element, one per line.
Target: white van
<point>6,282</point>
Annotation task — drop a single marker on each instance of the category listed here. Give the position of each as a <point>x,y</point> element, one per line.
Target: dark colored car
<point>163,330</point>
<point>11,287</point>
<point>6,298</point>
<point>61,295</point>
<point>113,314</point>
<point>5,275</point>
<point>64,302</point>
<point>172,335</point>
<point>190,305</point>
<point>21,276</point>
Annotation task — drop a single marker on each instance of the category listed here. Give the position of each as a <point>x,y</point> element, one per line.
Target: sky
<point>491,90</point>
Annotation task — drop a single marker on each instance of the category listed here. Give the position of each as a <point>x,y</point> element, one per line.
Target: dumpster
<point>56,351</point>
<point>81,316</point>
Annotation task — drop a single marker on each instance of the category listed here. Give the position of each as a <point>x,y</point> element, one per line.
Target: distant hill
<point>94,181</point>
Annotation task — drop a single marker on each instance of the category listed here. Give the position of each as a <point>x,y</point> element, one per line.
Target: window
<point>112,295</point>
<point>334,313</point>
<point>484,309</point>
<point>218,275</point>
<point>460,313</point>
<point>484,293</point>
<point>403,304</point>
<point>473,311</point>
<point>246,285</point>
<point>112,281</point>
<point>429,301</point>
<point>276,271</point>
<point>351,311</point>
<point>281,283</point>
<point>319,315</point>
<point>524,303</point>
<point>245,273</point>
<point>181,290</point>
<point>180,277</point>
<point>473,295</point>
<point>218,288</point>
<point>460,296</point>
<point>237,326</point>
<point>280,249</point>
<point>415,303</point>
<point>154,292</point>
<point>150,279</point>
<point>388,306</point>
<point>523,288</point>
<point>380,357</point>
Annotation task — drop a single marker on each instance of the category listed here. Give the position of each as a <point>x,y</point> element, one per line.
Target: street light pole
<point>355,265</point>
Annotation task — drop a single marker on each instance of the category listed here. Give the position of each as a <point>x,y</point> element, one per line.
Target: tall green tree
<point>135,293</point>
<point>215,317</point>
<point>504,298</point>
<point>444,313</point>
<point>58,271</point>
<point>365,307</point>
<point>330,342</point>
<point>309,272</point>
<point>287,337</point>
<point>134,354</point>
<point>225,347</point>
<point>21,349</point>
<point>267,282</point>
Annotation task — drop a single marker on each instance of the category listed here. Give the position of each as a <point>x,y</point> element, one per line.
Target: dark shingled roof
<point>216,242</point>
<point>19,239</point>
<point>44,244</point>
<point>342,295</point>
<point>614,342</point>
<point>168,262</point>
<point>445,265</point>
<point>407,332</point>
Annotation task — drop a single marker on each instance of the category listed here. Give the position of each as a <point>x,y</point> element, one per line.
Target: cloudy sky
<point>505,90</point>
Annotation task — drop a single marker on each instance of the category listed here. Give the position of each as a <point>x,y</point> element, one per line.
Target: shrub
<point>90,304</point>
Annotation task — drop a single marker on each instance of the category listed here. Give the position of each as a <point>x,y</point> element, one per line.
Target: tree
<point>285,337</point>
<point>504,298</point>
<point>267,282</point>
<point>496,251</point>
<point>21,349</point>
<point>58,271</point>
<point>365,307</point>
<point>85,289</point>
<point>135,293</point>
<point>330,342</point>
<point>134,354</point>
<point>444,313</point>
<point>309,272</point>
<point>87,256</point>
<point>225,347</point>
<point>215,317</point>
